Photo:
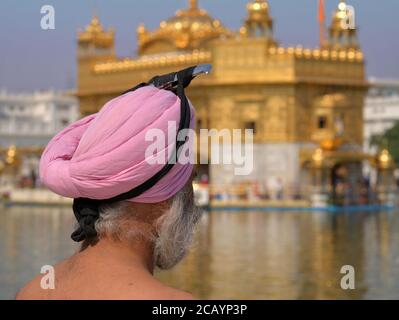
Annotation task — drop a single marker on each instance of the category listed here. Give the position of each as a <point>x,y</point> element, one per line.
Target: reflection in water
<point>254,255</point>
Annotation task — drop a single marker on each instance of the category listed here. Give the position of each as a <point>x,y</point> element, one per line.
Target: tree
<point>389,140</point>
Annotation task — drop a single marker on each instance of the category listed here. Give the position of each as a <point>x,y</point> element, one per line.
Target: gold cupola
<point>385,159</point>
<point>342,34</point>
<point>94,34</point>
<point>190,29</point>
<point>259,22</point>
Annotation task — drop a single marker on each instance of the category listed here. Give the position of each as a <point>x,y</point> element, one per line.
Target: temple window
<point>251,125</point>
<point>199,124</point>
<point>322,122</point>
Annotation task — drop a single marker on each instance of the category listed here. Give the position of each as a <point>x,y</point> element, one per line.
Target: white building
<point>33,119</point>
<point>381,110</point>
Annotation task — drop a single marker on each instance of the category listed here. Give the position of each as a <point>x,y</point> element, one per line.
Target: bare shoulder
<point>165,292</point>
<point>31,291</point>
<point>156,290</point>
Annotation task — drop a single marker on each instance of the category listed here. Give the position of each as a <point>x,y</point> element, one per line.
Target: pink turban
<point>103,155</point>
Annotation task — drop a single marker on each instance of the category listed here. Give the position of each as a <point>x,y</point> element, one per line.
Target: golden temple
<point>282,91</point>
<point>294,98</point>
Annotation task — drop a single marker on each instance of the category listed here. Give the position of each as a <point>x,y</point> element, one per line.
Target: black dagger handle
<point>163,82</point>
<point>169,81</point>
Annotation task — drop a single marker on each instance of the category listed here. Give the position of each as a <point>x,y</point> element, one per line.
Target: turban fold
<point>103,155</point>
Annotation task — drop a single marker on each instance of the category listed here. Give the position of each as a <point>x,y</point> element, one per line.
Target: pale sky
<point>32,58</point>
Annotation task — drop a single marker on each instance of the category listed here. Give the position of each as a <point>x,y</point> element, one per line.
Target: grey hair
<point>171,235</point>
<point>175,230</point>
<point>113,219</point>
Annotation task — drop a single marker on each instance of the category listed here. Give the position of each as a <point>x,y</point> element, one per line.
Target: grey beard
<point>176,230</point>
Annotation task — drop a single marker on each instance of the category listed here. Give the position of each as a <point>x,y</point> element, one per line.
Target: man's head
<point>167,226</point>
<point>121,190</point>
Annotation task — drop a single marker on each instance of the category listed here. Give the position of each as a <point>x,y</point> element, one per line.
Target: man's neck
<point>138,255</point>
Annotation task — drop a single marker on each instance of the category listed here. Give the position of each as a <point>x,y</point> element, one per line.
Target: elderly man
<point>134,213</point>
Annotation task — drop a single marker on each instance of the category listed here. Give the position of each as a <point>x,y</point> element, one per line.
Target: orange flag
<point>321,21</point>
<point>321,11</point>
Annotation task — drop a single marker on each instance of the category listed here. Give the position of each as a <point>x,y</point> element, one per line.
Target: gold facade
<point>290,94</point>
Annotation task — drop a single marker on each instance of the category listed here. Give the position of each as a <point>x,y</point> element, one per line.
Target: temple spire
<point>259,22</point>
<point>342,31</point>
<point>94,40</point>
<point>193,4</point>
<point>95,10</point>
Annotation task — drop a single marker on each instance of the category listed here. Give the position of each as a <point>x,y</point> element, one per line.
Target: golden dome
<point>95,33</point>
<point>189,29</point>
<point>95,25</point>
<point>339,17</point>
<point>342,31</point>
<point>259,22</point>
<point>385,159</point>
<point>258,8</point>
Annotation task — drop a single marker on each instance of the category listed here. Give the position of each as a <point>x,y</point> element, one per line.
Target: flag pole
<point>322,19</point>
